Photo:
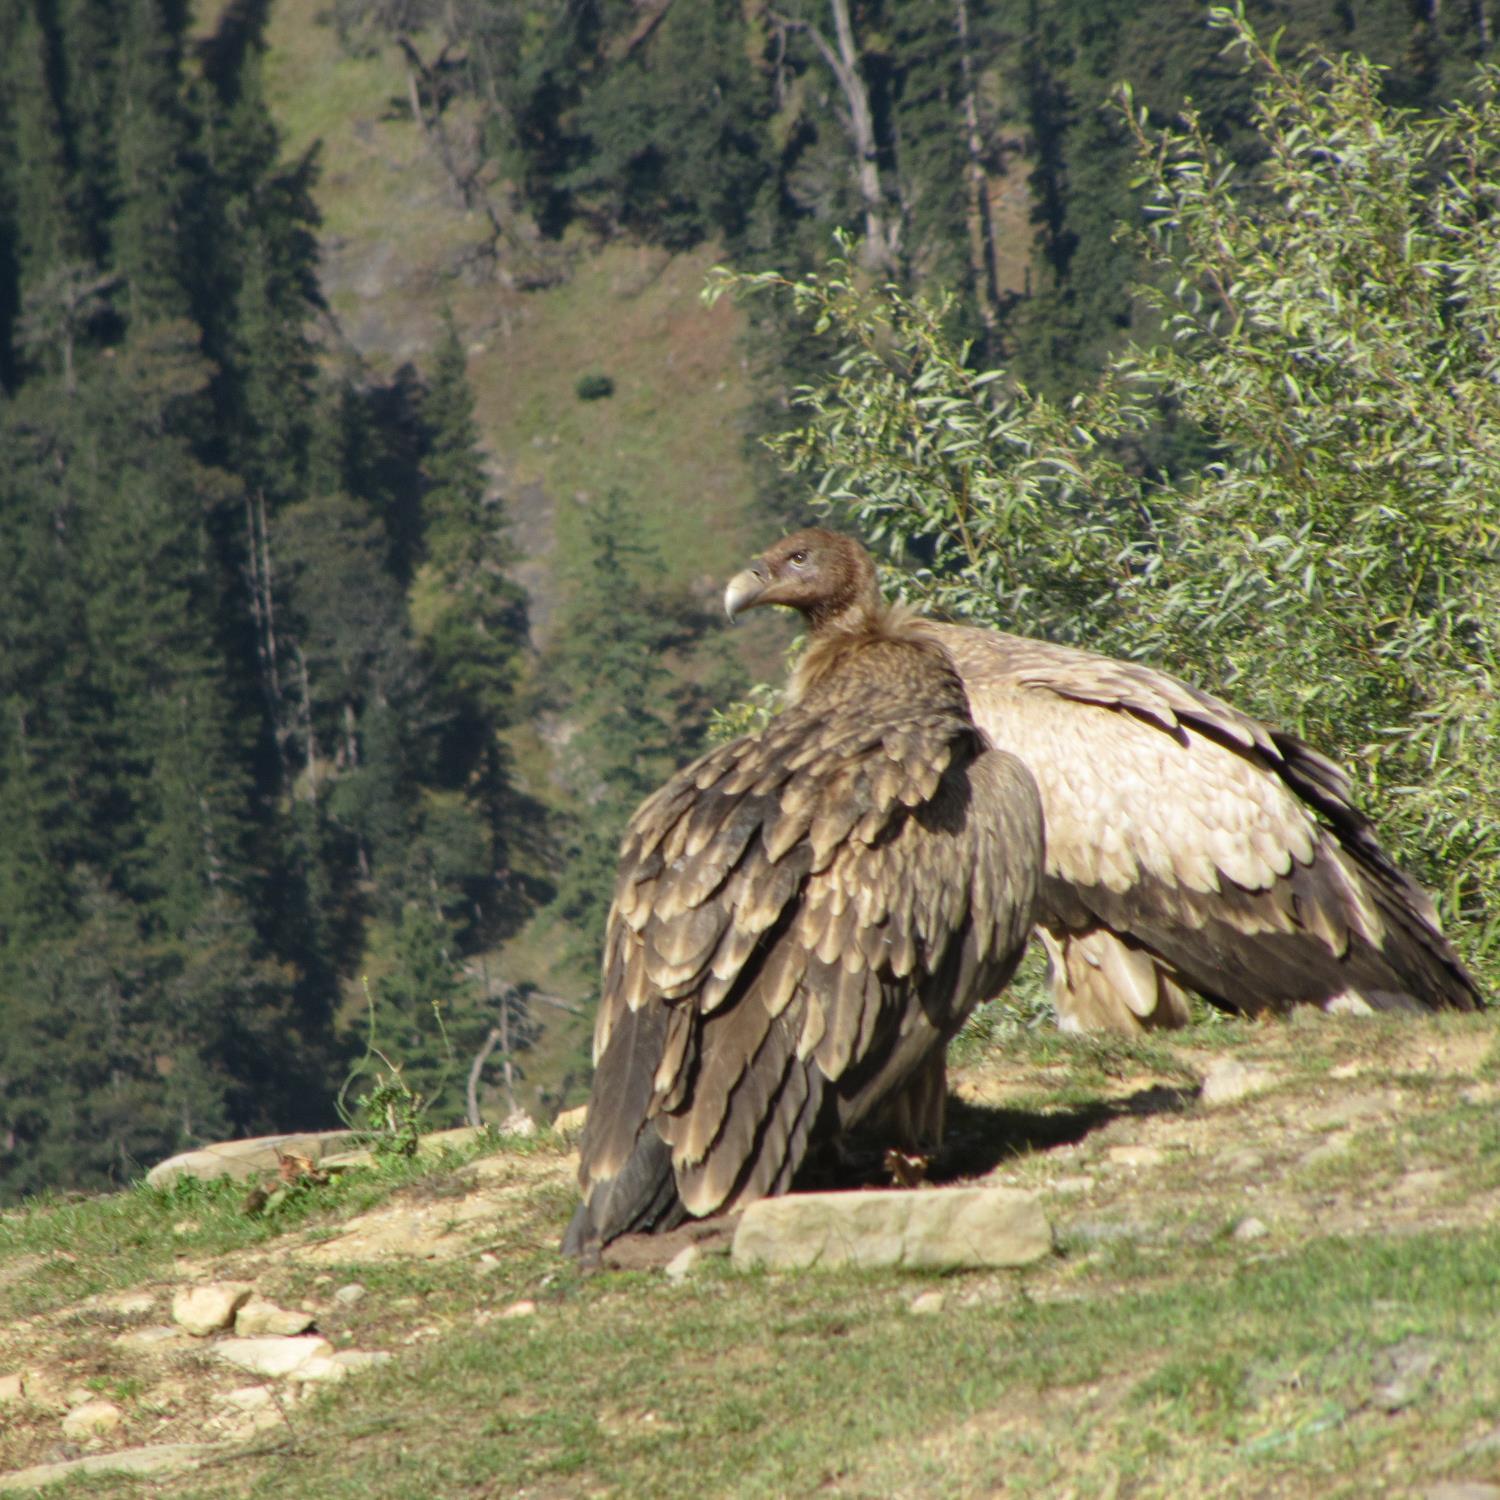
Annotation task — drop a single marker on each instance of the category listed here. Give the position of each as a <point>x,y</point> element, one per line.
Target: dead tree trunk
<point>981,229</point>
<point>882,233</point>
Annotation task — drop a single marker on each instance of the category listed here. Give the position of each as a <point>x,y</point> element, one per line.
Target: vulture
<point>803,917</point>
<point>1190,848</point>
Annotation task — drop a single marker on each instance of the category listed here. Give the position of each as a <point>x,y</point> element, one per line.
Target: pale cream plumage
<point>1192,848</point>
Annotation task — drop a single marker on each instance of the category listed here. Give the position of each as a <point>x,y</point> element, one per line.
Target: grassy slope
<point>1349,1350</point>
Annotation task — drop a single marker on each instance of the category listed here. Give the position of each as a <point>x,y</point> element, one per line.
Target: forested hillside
<point>370,466</point>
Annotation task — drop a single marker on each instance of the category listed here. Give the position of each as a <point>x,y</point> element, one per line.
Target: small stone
<point>525,1308</point>
<point>1070,1185</point>
<point>1228,1080</point>
<point>348,1295</point>
<point>92,1419</point>
<point>1251,1228</point>
<point>1346,1070</point>
<point>258,1317</point>
<point>1421,1184</point>
<point>11,1389</point>
<point>132,1304</point>
<point>487,1264</point>
<point>355,1360</point>
<point>684,1263</point>
<point>207,1309</point>
<point>186,1226</point>
<point>1410,1366</point>
<point>1328,1149</point>
<point>518,1123</point>
<point>247,1397</point>
<point>922,1228</point>
<point>928,1302</point>
<point>317,1370</point>
<point>149,1338</point>
<point>570,1122</point>
<point>1136,1156</point>
<point>1241,1160</point>
<point>272,1356</point>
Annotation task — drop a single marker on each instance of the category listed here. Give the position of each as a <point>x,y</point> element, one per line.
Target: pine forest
<point>373,462</point>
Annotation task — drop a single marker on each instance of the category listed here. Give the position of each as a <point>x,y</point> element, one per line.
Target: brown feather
<point>804,917</point>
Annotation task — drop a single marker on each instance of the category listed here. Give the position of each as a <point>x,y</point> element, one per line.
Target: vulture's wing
<point>801,919</point>
<point>1190,847</point>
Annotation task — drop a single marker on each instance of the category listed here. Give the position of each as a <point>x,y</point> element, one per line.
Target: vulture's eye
<point>797,558</point>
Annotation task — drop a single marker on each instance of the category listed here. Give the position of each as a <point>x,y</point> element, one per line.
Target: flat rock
<point>161,1458</point>
<point>1228,1079</point>
<point>259,1317</point>
<point>209,1309</point>
<point>929,1228</point>
<point>92,1419</point>
<point>243,1160</point>
<point>1251,1228</point>
<point>272,1356</point>
<point>150,1337</point>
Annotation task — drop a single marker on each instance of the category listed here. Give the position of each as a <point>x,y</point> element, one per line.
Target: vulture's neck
<point>834,638</point>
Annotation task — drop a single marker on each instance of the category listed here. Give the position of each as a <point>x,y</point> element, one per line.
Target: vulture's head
<point>829,578</point>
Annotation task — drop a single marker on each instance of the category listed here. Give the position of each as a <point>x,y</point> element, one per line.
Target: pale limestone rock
<point>149,1338</point>
<point>247,1397</point>
<point>1228,1080</point>
<point>128,1304</point>
<point>518,1123</point>
<point>259,1317</point>
<point>684,1263</point>
<point>928,1302</point>
<point>1251,1228</point>
<point>92,1419</point>
<point>245,1159</point>
<point>272,1356</point>
<point>569,1124</point>
<point>487,1264</point>
<point>348,1295</point>
<point>526,1308</point>
<point>161,1458</point>
<point>1136,1156</point>
<point>928,1228</point>
<point>337,1366</point>
<point>208,1309</point>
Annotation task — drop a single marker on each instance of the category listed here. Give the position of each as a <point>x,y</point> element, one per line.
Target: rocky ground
<point>1258,1139</point>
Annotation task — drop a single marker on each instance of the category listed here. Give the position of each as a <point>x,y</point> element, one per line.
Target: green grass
<point>1258,1379</point>
<point>74,1246</point>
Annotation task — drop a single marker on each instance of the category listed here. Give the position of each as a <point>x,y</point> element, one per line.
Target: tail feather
<point>640,1197</point>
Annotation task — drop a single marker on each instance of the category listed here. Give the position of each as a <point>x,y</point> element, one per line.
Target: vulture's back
<point>801,921</point>
<point>1190,847</point>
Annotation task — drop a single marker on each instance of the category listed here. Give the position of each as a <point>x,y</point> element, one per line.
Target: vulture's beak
<point>745,589</point>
